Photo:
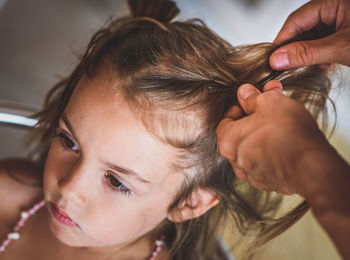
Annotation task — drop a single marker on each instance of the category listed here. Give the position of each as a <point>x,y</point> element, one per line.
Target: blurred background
<point>39,37</point>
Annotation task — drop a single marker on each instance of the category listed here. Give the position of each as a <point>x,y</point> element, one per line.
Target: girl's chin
<point>62,234</point>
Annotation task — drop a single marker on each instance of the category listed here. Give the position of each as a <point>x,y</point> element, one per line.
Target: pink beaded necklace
<point>25,216</point>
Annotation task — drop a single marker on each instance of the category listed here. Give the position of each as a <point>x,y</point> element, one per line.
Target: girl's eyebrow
<point>126,172</point>
<point>108,164</point>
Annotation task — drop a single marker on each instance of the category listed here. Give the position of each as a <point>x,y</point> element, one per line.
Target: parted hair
<point>181,78</point>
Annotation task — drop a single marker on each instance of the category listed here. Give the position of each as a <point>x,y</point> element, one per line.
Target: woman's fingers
<point>273,85</point>
<point>332,49</point>
<point>240,173</point>
<point>246,95</point>
<point>307,17</point>
<point>231,130</point>
<point>234,113</point>
<point>241,138</point>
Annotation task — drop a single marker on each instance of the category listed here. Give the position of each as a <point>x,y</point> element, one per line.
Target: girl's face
<point>106,171</point>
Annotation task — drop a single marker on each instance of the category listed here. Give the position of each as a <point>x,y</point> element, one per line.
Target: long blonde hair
<point>186,77</point>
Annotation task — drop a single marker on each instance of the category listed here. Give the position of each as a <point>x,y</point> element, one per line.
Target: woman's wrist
<point>322,177</point>
<point>323,180</point>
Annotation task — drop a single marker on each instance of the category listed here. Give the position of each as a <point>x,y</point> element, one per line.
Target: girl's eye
<point>117,185</point>
<point>67,143</point>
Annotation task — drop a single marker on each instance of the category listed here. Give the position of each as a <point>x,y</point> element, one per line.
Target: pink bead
<point>36,207</point>
<point>6,242</point>
<point>20,223</point>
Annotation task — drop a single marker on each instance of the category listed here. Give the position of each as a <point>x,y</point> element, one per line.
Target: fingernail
<point>246,91</point>
<point>280,60</point>
<point>277,89</point>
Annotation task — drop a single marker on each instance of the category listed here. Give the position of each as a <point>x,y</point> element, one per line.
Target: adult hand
<point>279,147</point>
<point>334,48</point>
<point>265,147</point>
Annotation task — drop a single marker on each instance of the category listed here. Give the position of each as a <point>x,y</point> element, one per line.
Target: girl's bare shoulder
<point>20,187</point>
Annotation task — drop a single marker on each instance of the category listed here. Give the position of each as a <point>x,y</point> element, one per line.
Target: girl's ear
<point>199,202</point>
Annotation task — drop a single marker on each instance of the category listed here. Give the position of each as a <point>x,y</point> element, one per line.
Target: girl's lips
<point>61,216</point>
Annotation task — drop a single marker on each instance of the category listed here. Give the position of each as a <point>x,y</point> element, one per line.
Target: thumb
<point>247,94</point>
<point>304,53</point>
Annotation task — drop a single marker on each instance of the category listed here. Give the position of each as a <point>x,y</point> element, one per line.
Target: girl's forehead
<point>108,129</point>
<point>94,88</point>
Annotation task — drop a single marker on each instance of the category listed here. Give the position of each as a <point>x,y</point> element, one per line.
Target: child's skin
<point>107,131</point>
<point>103,129</point>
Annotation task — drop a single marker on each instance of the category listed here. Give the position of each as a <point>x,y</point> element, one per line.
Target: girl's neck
<point>140,249</point>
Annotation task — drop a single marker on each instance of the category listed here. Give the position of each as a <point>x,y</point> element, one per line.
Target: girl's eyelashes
<point>115,184</point>
<point>66,142</point>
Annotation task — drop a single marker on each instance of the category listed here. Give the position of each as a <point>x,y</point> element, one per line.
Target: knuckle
<point>292,24</point>
<point>298,29</point>
<point>268,97</point>
<point>262,98</point>
<point>219,131</point>
<point>342,42</point>
<point>226,149</point>
<point>343,48</point>
<point>246,162</point>
<point>328,11</point>
<point>302,53</point>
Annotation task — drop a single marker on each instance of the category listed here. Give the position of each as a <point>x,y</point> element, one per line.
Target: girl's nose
<point>72,186</point>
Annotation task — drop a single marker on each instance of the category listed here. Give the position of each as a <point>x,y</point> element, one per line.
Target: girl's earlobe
<point>198,203</point>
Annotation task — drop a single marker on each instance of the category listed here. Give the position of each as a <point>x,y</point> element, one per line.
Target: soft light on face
<point>106,171</point>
